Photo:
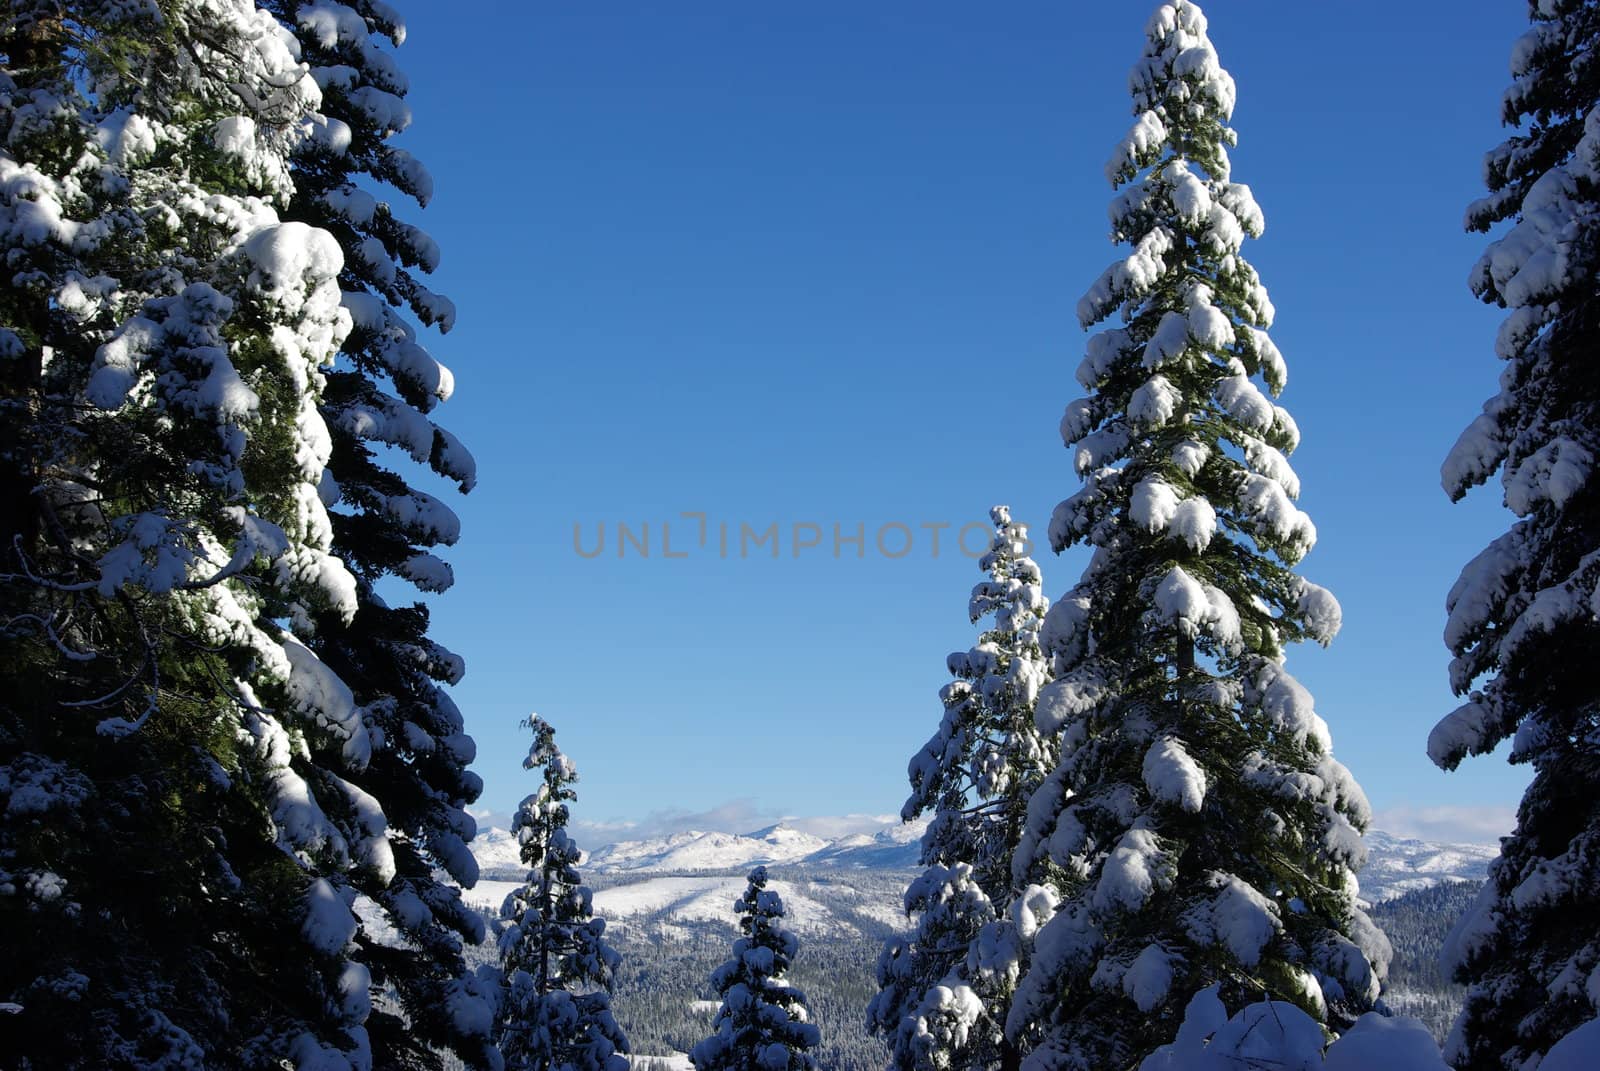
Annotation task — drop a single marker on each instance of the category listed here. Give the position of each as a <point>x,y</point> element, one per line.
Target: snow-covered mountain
<point>893,847</point>
<point>694,850</point>
<point>1398,865</point>
<point>1395,866</point>
<point>496,850</point>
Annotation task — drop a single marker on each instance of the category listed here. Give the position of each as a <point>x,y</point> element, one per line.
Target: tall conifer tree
<point>1198,825</point>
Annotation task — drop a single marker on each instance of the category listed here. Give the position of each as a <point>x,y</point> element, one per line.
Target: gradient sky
<point>816,264</point>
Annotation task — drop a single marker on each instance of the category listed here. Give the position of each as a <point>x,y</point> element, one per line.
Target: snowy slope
<point>678,1061</point>
<point>810,907</point>
<point>489,895</point>
<point>657,902</point>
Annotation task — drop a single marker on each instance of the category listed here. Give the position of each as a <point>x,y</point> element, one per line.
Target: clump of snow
<point>329,924</point>
<point>317,691</point>
<point>1149,979</point>
<point>1238,917</point>
<point>1281,1036</point>
<point>1319,611</point>
<point>1197,608</point>
<point>1575,1052</point>
<point>1172,775</point>
<point>1136,868</point>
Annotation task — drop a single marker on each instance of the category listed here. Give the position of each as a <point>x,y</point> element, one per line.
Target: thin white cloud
<point>488,817</point>
<point>1463,824</point>
<point>735,816</point>
<point>832,827</point>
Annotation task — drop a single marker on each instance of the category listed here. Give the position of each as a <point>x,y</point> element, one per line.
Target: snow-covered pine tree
<point>1198,826</point>
<point>945,990</point>
<point>175,762</point>
<point>376,404</point>
<point>1524,617</point>
<point>555,1010</point>
<point>763,1023</point>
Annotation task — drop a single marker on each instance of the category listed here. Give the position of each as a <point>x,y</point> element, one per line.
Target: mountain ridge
<point>1396,865</point>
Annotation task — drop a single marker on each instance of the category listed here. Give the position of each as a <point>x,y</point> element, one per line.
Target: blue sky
<point>817,264</point>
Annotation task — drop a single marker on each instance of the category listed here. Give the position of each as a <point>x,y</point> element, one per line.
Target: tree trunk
<point>19,416</point>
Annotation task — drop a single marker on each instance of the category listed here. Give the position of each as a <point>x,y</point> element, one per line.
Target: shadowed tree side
<point>379,406</point>
<point>180,893</point>
<point>1524,617</point>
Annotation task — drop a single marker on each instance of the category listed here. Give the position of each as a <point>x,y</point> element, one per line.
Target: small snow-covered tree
<point>555,1011</point>
<point>944,991</point>
<point>763,1023</point>
<point>1198,826</point>
<point>1524,617</point>
<point>976,773</point>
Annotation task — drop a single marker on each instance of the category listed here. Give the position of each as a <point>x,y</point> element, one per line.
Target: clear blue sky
<point>817,263</point>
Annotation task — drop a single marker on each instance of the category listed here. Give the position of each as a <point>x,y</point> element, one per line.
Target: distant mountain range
<point>894,847</point>
<point>695,874</point>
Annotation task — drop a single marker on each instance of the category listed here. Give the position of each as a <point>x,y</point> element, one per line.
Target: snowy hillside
<point>816,902</point>
<point>843,896</point>
<point>812,906</point>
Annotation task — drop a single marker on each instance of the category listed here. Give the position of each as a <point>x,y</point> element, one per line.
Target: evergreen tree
<point>1524,617</point>
<point>763,1023</point>
<point>1198,826</point>
<point>181,774</point>
<point>945,990</point>
<point>377,406</point>
<point>555,1013</point>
